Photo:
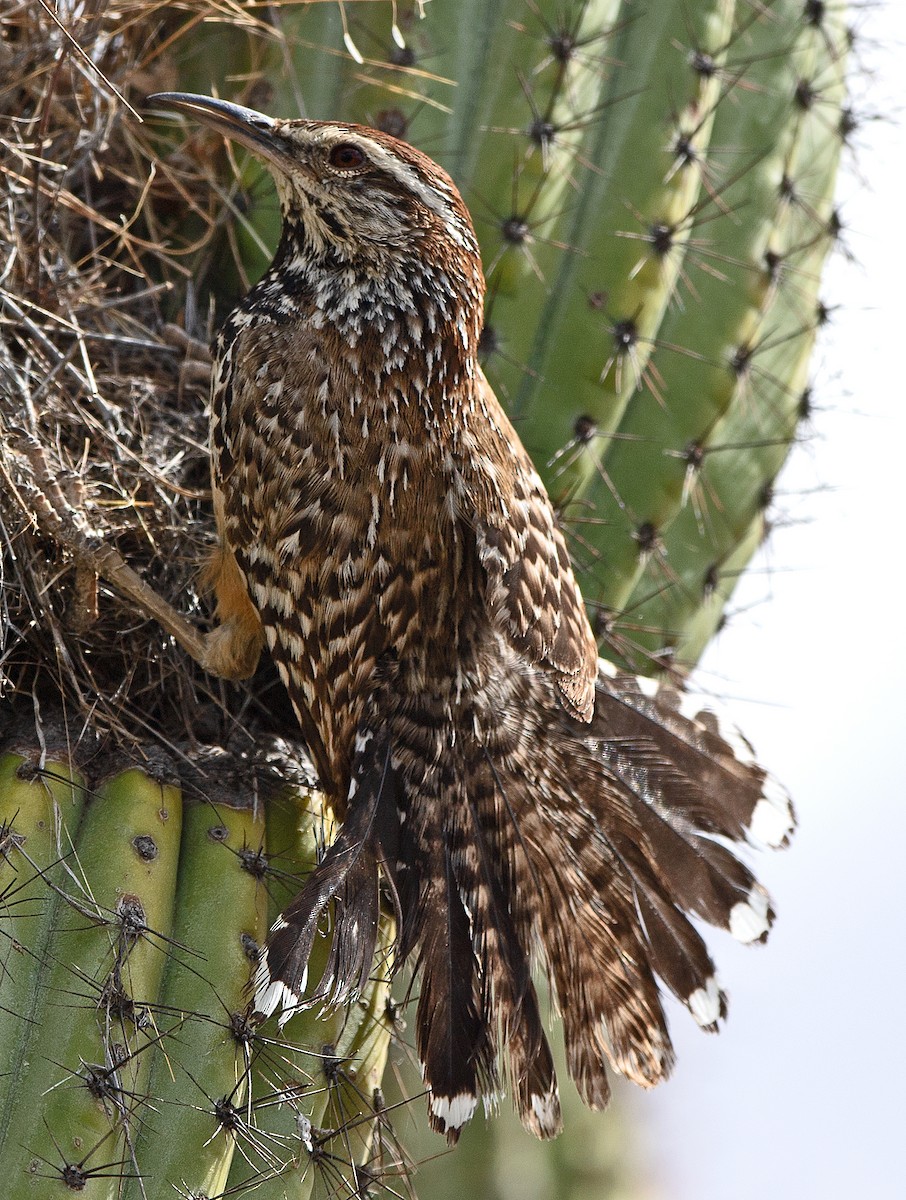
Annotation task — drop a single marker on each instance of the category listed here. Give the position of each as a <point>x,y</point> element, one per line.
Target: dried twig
<point>103,461</point>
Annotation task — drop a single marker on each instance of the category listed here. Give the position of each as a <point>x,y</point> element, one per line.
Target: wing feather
<point>532,594</point>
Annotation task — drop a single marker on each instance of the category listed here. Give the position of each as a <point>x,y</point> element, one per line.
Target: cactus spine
<point>131,917</point>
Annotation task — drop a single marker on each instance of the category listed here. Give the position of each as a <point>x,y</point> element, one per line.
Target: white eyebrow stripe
<point>438,196</point>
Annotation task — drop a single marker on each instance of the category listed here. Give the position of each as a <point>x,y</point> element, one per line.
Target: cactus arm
<point>637,177</point>
<point>39,812</point>
<point>72,1116</point>
<point>352,1115</point>
<point>749,441</point>
<point>651,463</point>
<point>290,1092</point>
<point>199,1083</point>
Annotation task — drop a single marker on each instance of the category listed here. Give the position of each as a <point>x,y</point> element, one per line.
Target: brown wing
<point>265,488</point>
<point>532,594</point>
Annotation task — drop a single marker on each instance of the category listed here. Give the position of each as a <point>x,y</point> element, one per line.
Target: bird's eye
<point>347,157</point>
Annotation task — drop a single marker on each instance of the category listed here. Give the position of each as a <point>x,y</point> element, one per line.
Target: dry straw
<point>109,231</point>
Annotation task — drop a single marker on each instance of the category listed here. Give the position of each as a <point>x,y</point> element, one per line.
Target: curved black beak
<point>253,129</point>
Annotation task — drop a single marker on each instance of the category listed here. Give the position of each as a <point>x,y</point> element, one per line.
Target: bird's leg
<point>233,647</point>
<point>231,650</point>
<point>110,565</point>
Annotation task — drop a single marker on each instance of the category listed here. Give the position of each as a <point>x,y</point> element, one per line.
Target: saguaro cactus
<point>652,185</point>
<point>132,911</point>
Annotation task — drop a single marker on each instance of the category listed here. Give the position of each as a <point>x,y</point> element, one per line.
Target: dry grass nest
<point>111,233</point>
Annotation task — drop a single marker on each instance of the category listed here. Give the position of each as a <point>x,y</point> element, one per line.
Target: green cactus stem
<point>131,920</point>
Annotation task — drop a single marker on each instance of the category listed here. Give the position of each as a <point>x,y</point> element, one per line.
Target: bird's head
<point>357,192</point>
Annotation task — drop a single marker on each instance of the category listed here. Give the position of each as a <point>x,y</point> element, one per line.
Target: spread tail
<point>516,836</point>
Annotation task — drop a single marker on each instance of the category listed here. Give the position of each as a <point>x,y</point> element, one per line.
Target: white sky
<point>802,1094</point>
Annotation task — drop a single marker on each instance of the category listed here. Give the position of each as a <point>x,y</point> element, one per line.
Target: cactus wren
<point>383,530</point>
